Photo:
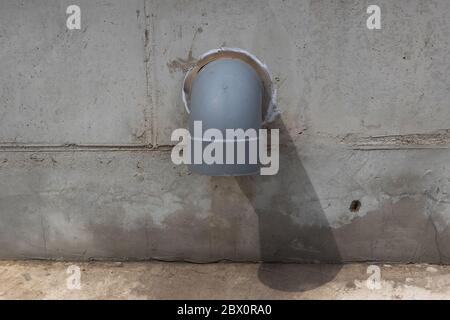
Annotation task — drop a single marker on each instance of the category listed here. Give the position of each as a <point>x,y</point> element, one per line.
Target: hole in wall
<point>355,206</point>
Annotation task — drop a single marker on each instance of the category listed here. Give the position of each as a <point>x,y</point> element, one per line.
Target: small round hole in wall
<point>355,206</point>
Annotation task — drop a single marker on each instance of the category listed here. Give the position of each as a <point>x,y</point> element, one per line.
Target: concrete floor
<point>158,280</point>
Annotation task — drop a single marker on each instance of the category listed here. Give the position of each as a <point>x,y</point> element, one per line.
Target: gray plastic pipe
<point>226,94</point>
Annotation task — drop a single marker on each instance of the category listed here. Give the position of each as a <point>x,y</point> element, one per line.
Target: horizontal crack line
<point>439,139</point>
<point>82,147</point>
<point>397,147</point>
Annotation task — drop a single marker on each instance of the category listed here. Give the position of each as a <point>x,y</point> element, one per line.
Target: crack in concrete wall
<point>438,139</point>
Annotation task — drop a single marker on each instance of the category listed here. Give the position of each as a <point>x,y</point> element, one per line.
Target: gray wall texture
<point>86,117</point>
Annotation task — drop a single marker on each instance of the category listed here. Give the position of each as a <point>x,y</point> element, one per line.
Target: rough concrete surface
<point>154,280</point>
<point>86,117</point>
<point>60,86</point>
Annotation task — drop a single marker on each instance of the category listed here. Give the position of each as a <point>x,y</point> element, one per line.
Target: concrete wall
<point>86,117</point>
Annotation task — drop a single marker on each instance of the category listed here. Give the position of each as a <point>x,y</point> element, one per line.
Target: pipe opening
<point>268,108</point>
<point>229,96</point>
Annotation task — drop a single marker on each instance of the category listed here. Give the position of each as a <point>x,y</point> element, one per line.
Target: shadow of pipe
<point>293,227</point>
